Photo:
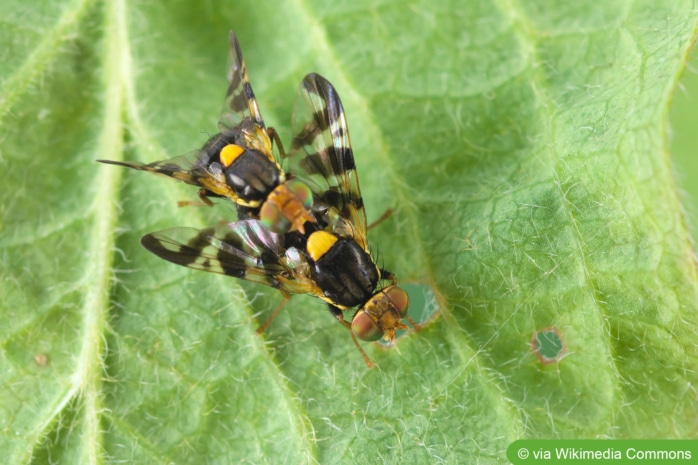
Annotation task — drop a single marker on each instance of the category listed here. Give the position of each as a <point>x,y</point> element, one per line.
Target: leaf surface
<point>522,146</point>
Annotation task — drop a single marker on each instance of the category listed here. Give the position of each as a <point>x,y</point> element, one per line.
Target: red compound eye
<point>399,298</point>
<point>365,327</point>
<point>302,192</point>
<point>286,207</point>
<point>273,218</point>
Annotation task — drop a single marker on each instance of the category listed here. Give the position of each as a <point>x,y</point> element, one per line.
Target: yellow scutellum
<point>229,153</point>
<point>319,243</point>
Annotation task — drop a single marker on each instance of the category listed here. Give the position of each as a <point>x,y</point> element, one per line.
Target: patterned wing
<point>243,249</point>
<point>192,168</point>
<point>240,114</point>
<point>321,156</point>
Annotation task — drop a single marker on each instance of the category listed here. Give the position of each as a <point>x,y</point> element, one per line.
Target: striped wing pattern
<point>321,156</point>
<point>190,168</point>
<point>240,123</point>
<point>243,249</point>
<point>240,112</point>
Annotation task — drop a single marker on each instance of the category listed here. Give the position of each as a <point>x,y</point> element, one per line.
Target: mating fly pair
<point>302,230</point>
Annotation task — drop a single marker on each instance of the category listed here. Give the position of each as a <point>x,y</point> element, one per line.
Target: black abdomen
<point>346,273</point>
<point>252,176</point>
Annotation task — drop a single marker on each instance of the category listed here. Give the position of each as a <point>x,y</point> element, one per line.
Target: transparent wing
<point>243,249</point>
<point>241,123</point>
<point>192,168</point>
<point>240,115</point>
<point>321,156</point>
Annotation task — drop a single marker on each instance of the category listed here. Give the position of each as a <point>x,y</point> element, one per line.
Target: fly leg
<point>386,214</point>
<point>204,201</point>
<point>274,136</point>
<point>337,313</point>
<point>278,308</point>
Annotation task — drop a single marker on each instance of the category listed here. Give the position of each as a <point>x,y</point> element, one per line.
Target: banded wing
<point>243,249</point>
<point>241,123</point>
<point>321,156</point>
<point>240,114</point>
<point>190,168</point>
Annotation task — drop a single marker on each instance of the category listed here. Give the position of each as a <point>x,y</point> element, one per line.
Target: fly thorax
<point>342,269</point>
<point>250,174</point>
<point>210,152</point>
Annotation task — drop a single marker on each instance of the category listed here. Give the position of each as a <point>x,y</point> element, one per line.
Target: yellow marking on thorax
<point>319,243</point>
<point>230,153</point>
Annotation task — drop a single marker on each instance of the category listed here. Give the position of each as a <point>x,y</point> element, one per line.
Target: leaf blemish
<point>548,345</point>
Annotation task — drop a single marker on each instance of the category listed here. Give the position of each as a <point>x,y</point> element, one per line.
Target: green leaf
<point>522,146</point>
<point>684,140</point>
